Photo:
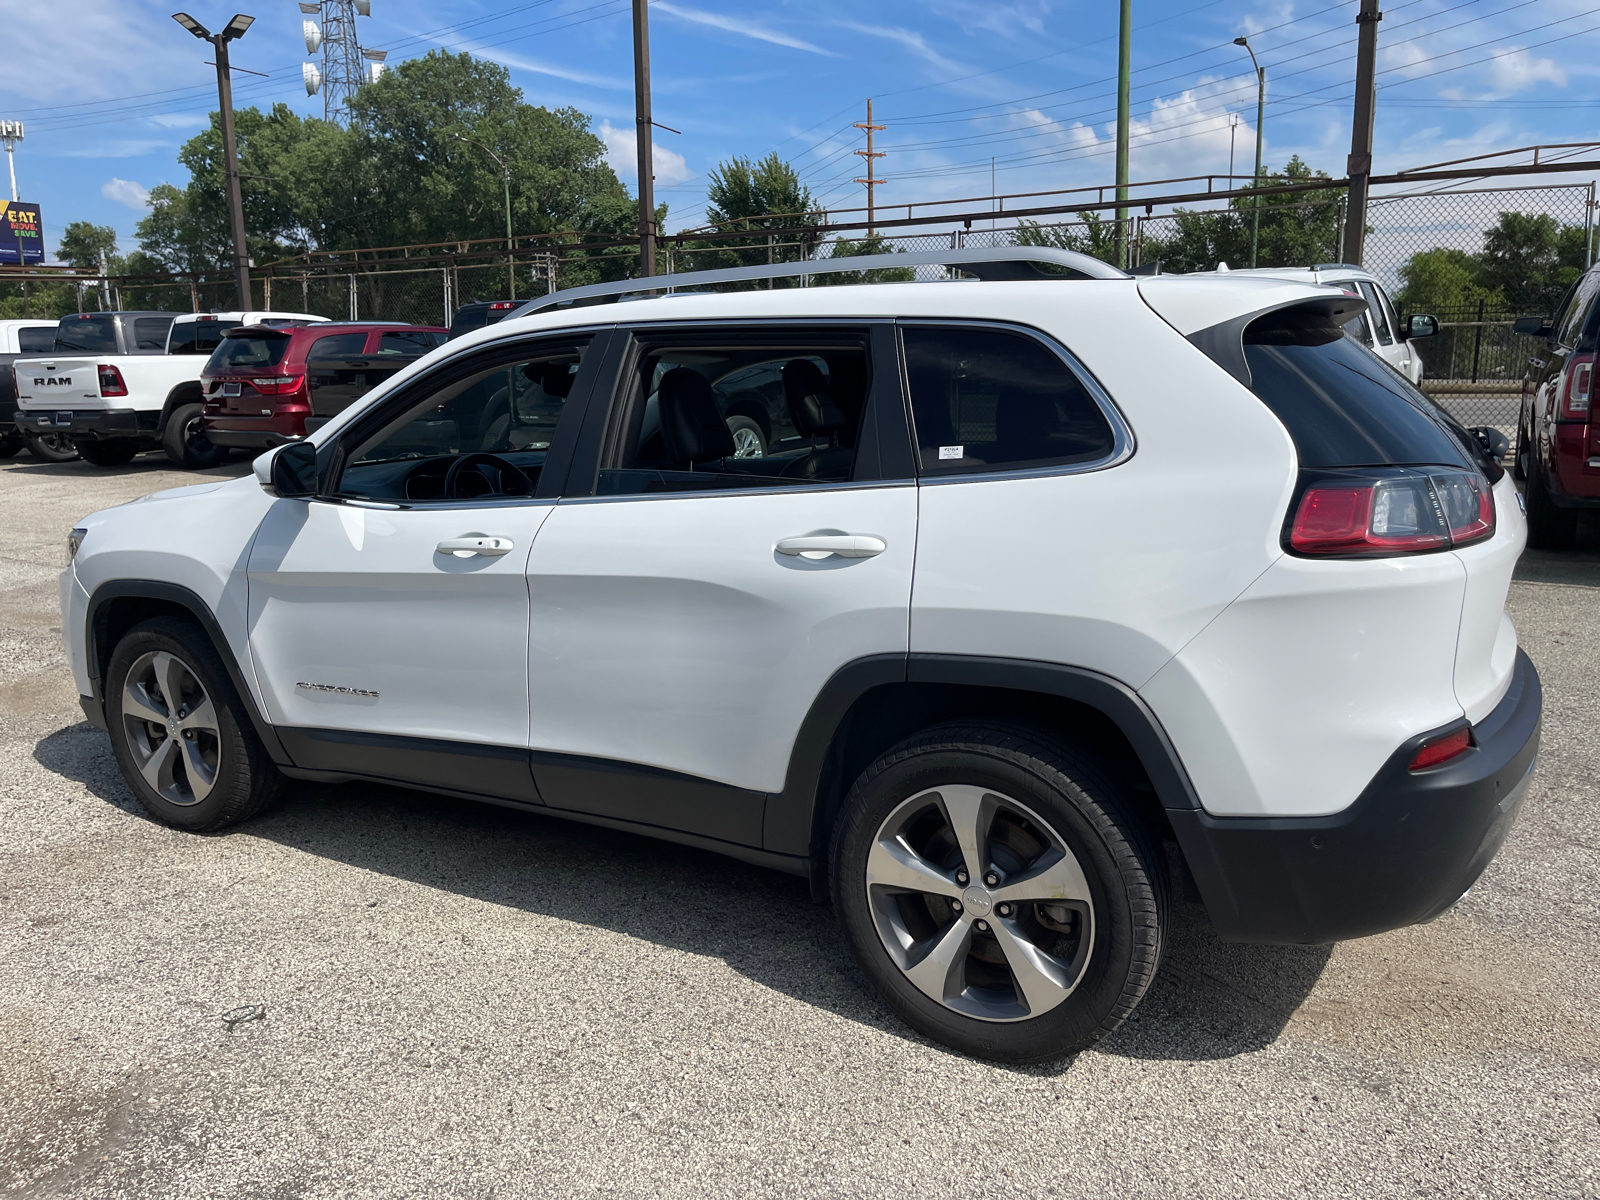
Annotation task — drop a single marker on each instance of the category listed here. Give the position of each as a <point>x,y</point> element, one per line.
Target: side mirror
<point>1419,325</point>
<point>289,471</point>
<point>1532,326</point>
<point>1494,443</point>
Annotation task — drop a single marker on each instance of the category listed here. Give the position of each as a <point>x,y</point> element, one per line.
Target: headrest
<point>811,408</point>
<point>691,426</point>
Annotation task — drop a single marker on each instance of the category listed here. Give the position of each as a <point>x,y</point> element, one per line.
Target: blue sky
<point>1029,84</point>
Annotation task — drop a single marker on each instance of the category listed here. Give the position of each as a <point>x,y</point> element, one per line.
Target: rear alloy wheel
<point>51,447</point>
<point>112,453</point>
<point>182,738</point>
<point>995,893</point>
<point>186,443</point>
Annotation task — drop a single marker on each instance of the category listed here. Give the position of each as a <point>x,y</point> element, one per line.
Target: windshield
<point>249,352</point>
<point>88,333</point>
<point>198,337</point>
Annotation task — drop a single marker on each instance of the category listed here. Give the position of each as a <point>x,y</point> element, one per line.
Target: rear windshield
<point>150,333</point>
<point>246,353</point>
<point>411,343</point>
<point>198,337</point>
<point>1342,404</point>
<point>89,334</point>
<point>36,339</point>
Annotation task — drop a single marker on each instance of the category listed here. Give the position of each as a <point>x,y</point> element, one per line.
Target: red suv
<point>1558,448</point>
<point>263,383</point>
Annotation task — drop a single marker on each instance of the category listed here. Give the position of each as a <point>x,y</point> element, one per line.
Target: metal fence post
<point>445,272</point>
<point>353,309</point>
<point>266,292</point>
<point>1588,230</point>
<point>1477,342</point>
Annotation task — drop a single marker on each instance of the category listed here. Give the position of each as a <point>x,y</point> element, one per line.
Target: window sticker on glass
<point>951,451</point>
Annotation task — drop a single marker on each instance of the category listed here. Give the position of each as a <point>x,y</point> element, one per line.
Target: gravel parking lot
<point>466,1001</point>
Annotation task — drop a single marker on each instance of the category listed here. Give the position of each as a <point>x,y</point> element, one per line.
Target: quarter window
<point>150,333</point>
<point>995,400</point>
<point>709,417</point>
<point>1570,331</point>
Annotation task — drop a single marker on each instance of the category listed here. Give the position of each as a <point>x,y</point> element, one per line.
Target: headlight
<point>74,540</point>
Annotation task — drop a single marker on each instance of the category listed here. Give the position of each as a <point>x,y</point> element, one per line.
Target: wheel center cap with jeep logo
<point>977,901</point>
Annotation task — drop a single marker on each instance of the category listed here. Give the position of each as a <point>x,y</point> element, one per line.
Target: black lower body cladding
<point>1405,851</point>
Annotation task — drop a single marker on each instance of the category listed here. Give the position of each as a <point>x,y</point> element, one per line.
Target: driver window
<point>494,426</point>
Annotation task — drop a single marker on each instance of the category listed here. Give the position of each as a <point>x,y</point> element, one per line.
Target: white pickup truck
<point>117,383</point>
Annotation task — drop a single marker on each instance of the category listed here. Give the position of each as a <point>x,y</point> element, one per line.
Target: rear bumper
<point>1574,476</point>
<point>90,423</point>
<point>1405,851</point>
<point>254,433</point>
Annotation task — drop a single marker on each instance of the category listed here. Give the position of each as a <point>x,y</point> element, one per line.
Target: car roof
<point>319,328</point>
<point>254,314</point>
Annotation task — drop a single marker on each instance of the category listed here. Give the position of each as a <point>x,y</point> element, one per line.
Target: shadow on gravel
<point>143,464</point>
<point>1210,1001</point>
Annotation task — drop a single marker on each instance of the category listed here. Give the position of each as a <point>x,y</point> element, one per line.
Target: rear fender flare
<point>187,392</point>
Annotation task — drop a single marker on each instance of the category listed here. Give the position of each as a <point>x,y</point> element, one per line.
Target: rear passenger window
<point>150,333</point>
<point>995,400</point>
<point>1570,331</point>
<point>709,417</point>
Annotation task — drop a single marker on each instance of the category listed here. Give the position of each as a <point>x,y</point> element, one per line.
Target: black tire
<point>243,781</point>
<point>10,444</point>
<point>1549,527</point>
<point>51,447</point>
<point>186,443</point>
<point>748,439</point>
<point>1120,931</point>
<point>113,453</point>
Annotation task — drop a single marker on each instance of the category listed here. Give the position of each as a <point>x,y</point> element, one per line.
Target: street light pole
<point>230,153</point>
<point>1124,70</point>
<point>1261,116</point>
<point>505,175</point>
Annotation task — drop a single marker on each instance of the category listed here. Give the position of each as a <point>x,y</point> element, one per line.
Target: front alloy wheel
<point>982,905</point>
<point>171,728</point>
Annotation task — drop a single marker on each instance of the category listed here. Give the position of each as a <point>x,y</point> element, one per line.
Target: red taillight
<point>499,304</point>
<point>1441,749</point>
<point>1393,512</point>
<point>278,385</point>
<point>1577,383</point>
<point>111,381</point>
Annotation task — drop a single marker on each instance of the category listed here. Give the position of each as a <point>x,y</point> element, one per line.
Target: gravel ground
<point>464,1001</point>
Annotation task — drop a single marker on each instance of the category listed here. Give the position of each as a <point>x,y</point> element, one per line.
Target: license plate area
<point>232,389</point>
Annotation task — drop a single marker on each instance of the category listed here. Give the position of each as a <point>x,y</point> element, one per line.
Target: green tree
<point>744,194</point>
<point>1095,236</point>
<point>88,246</point>
<point>1298,229</point>
<point>860,248</point>
<point>1444,280</point>
<point>1530,259</point>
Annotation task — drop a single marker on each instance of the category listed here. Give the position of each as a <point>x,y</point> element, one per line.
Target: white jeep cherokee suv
<point>1073,587</point>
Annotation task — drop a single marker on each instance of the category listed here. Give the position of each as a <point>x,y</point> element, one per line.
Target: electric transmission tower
<point>342,70</point>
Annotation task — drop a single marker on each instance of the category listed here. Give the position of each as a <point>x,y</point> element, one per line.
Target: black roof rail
<point>1006,264</point>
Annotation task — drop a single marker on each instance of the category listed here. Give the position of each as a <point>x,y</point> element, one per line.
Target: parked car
<point>1377,327</point>
<point>121,382</point>
<point>479,313</point>
<point>1558,443</point>
<point>20,338</point>
<point>263,385</point>
<point>1078,589</point>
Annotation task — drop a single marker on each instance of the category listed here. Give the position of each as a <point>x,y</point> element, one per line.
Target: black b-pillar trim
<point>172,593</point>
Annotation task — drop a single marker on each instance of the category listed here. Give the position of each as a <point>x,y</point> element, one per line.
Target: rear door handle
<point>477,543</point>
<point>845,545</point>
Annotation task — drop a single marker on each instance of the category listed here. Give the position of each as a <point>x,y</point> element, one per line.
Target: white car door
<point>689,605</point>
<point>389,615</point>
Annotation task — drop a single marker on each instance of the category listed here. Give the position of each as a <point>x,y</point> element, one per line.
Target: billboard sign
<point>21,235</point>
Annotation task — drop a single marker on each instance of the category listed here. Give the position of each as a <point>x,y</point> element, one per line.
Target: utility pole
<point>1359,168</point>
<point>641,101</point>
<point>1233,129</point>
<point>1261,118</point>
<point>219,42</point>
<point>505,175</point>
<point>869,154</point>
<point>1124,63</point>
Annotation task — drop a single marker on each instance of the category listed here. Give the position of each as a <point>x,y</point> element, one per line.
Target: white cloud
<point>912,41</point>
<point>1517,70</point>
<point>1008,20</point>
<point>743,28</point>
<point>622,152</point>
<point>188,120</point>
<point>126,191</point>
<point>538,68</point>
<point>117,148</point>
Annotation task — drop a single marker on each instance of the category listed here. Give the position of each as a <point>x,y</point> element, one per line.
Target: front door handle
<point>477,543</point>
<point>845,545</point>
